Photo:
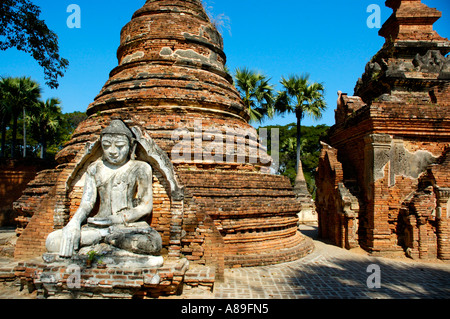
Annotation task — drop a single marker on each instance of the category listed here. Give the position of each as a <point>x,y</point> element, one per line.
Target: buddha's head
<point>117,143</point>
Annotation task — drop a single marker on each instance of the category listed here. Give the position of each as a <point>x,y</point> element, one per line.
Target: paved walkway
<point>331,272</point>
<point>328,272</point>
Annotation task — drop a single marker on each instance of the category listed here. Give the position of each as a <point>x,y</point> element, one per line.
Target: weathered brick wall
<point>31,242</point>
<point>126,283</point>
<point>201,242</point>
<point>339,207</point>
<point>329,175</point>
<point>14,177</point>
<point>390,133</point>
<point>255,215</point>
<point>419,220</point>
<point>390,192</point>
<point>382,198</point>
<point>440,179</point>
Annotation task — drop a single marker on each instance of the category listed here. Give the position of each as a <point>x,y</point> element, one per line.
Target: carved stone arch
<point>69,187</point>
<point>92,152</point>
<point>147,151</point>
<point>150,152</point>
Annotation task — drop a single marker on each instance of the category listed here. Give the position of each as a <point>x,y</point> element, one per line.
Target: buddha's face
<point>116,149</point>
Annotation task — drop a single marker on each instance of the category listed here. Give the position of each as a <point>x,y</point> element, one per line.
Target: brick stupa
<point>171,77</point>
<point>383,178</point>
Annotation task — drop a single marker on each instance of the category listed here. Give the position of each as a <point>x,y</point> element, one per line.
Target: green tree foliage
<point>256,93</point>
<point>300,98</point>
<point>45,122</point>
<point>20,27</point>
<point>310,151</point>
<point>69,124</point>
<point>45,126</point>
<point>18,95</point>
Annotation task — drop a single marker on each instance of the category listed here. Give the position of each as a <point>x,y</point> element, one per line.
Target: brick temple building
<point>384,172</point>
<point>214,205</point>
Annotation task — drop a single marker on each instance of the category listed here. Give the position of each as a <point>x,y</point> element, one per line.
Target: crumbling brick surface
<point>14,178</point>
<point>79,281</point>
<point>255,216</point>
<point>390,140</point>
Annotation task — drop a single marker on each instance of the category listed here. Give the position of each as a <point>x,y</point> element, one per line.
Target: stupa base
<point>302,247</point>
<point>62,280</point>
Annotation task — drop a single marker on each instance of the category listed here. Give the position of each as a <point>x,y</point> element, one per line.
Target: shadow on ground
<point>345,277</point>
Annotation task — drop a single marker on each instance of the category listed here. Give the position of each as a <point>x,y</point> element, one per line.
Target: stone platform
<point>329,272</point>
<point>63,280</point>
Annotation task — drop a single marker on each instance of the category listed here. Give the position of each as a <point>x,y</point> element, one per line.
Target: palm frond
<point>256,93</point>
<point>301,97</point>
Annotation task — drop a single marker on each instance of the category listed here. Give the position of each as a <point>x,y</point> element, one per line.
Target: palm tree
<point>301,98</point>
<point>256,93</point>
<point>18,95</point>
<point>6,88</point>
<point>4,120</point>
<point>45,119</point>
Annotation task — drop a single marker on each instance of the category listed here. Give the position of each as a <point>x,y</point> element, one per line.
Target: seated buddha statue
<point>123,187</point>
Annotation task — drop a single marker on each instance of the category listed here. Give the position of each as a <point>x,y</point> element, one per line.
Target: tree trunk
<point>300,187</point>
<point>301,192</point>
<point>43,146</point>
<point>2,151</point>
<point>14,137</point>
<point>299,135</point>
<point>24,135</point>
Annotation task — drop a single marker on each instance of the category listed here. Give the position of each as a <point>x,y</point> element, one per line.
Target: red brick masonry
<point>383,176</point>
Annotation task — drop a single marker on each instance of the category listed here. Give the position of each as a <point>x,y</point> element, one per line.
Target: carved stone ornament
<point>432,62</point>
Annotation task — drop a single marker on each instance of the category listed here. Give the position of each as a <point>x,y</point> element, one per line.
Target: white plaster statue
<point>123,187</point>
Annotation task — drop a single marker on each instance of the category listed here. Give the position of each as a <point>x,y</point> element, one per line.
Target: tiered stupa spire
<point>171,71</point>
<point>413,54</point>
<point>412,20</point>
<point>169,52</point>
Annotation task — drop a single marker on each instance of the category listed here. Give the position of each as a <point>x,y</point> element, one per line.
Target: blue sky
<point>328,39</point>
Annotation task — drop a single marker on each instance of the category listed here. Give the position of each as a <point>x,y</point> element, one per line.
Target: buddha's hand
<point>70,240</point>
<point>120,218</point>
